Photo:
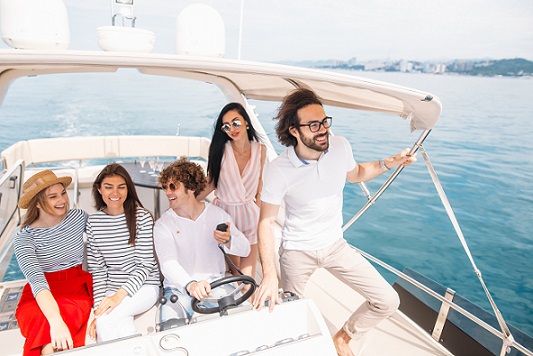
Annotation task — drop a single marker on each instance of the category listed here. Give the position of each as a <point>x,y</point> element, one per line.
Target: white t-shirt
<point>312,191</point>
<point>187,249</point>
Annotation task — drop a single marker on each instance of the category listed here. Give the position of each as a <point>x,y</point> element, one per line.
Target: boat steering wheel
<point>228,301</point>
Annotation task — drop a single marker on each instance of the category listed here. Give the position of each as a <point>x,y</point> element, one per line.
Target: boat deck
<point>396,335</point>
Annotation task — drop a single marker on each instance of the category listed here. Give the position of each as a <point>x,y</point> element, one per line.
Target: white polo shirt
<point>312,191</point>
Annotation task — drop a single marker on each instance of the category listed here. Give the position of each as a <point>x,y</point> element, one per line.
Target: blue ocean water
<point>481,149</point>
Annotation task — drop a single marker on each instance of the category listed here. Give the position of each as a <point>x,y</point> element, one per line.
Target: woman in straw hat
<point>56,302</point>
<point>120,255</point>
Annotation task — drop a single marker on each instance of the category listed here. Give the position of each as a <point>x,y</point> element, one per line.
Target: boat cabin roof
<point>254,80</point>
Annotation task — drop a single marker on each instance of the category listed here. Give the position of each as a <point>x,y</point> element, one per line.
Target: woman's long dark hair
<point>130,204</point>
<point>216,149</point>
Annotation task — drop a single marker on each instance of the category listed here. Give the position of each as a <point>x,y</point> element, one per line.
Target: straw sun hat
<point>38,183</point>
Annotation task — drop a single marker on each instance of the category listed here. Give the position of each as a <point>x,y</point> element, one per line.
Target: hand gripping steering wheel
<point>228,301</point>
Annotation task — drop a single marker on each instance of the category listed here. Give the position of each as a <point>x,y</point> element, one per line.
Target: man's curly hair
<point>183,171</point>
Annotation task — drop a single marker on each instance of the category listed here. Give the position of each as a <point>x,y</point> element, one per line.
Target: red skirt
<point>72,289</point>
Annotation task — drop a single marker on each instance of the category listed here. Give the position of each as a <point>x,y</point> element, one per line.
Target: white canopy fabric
<point>254,80</point>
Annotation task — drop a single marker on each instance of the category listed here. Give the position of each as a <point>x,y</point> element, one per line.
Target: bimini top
<point>254,80</point>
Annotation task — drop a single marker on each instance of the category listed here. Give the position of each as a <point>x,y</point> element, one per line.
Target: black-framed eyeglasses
<point>170,186</point>
<point>227,128</point>
<point>314,126</point>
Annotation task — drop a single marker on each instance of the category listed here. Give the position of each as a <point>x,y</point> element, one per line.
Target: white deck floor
<point>396,335</point>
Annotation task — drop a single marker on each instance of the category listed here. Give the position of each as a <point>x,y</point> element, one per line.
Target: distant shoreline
<point>516,67</point>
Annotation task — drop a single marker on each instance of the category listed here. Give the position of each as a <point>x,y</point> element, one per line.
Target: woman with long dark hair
<point>120,255</point>
<point>234,171</point>
<point>55,305</point>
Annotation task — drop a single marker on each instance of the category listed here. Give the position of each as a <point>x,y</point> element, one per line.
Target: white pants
<point>349,266</point>
<point>120,323</point>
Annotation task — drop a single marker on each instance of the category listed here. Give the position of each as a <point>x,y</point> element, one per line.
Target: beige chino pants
<point>351,268</point>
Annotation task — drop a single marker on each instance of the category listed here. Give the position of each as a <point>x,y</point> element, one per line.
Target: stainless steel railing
<point>10,190</point>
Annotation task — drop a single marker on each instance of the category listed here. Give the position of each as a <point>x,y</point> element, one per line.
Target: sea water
<point>481,149</point>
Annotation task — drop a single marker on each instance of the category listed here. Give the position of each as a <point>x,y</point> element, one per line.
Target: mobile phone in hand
<point>222,227</point>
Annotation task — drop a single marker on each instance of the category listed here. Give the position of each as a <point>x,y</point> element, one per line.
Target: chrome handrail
<point>4,179</point>
<point>372,199</point>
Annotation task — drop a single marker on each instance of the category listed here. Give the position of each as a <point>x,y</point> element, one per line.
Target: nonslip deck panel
<point>8,306</point>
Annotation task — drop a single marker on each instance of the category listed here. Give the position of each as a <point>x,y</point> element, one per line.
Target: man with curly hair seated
<point>187,240</point>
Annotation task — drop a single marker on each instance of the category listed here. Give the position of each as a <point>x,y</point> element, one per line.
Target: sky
<point>295,30</point>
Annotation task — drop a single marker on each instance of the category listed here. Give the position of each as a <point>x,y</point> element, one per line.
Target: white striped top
<point>235,193</point>
<point>51,249</point>
<point>114,263</point>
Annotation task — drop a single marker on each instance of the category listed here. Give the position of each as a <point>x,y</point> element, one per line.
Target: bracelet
<point>383,165</point>
<point>227,242</point>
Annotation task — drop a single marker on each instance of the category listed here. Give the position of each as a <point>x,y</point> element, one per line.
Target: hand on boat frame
<point>268,290</point>
<point>401,159</point>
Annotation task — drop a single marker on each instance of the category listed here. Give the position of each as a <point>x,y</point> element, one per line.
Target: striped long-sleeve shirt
<point>114,263</point>
<point>52,249</point>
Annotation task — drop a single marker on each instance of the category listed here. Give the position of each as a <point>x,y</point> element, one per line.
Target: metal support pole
<point>389,181</point>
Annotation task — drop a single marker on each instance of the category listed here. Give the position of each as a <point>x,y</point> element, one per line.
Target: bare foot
<point>342,340</point>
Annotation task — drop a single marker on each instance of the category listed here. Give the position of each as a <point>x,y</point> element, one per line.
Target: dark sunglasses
<point>314,126</point>
<point>170,186</point>
<point>227,128</point>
